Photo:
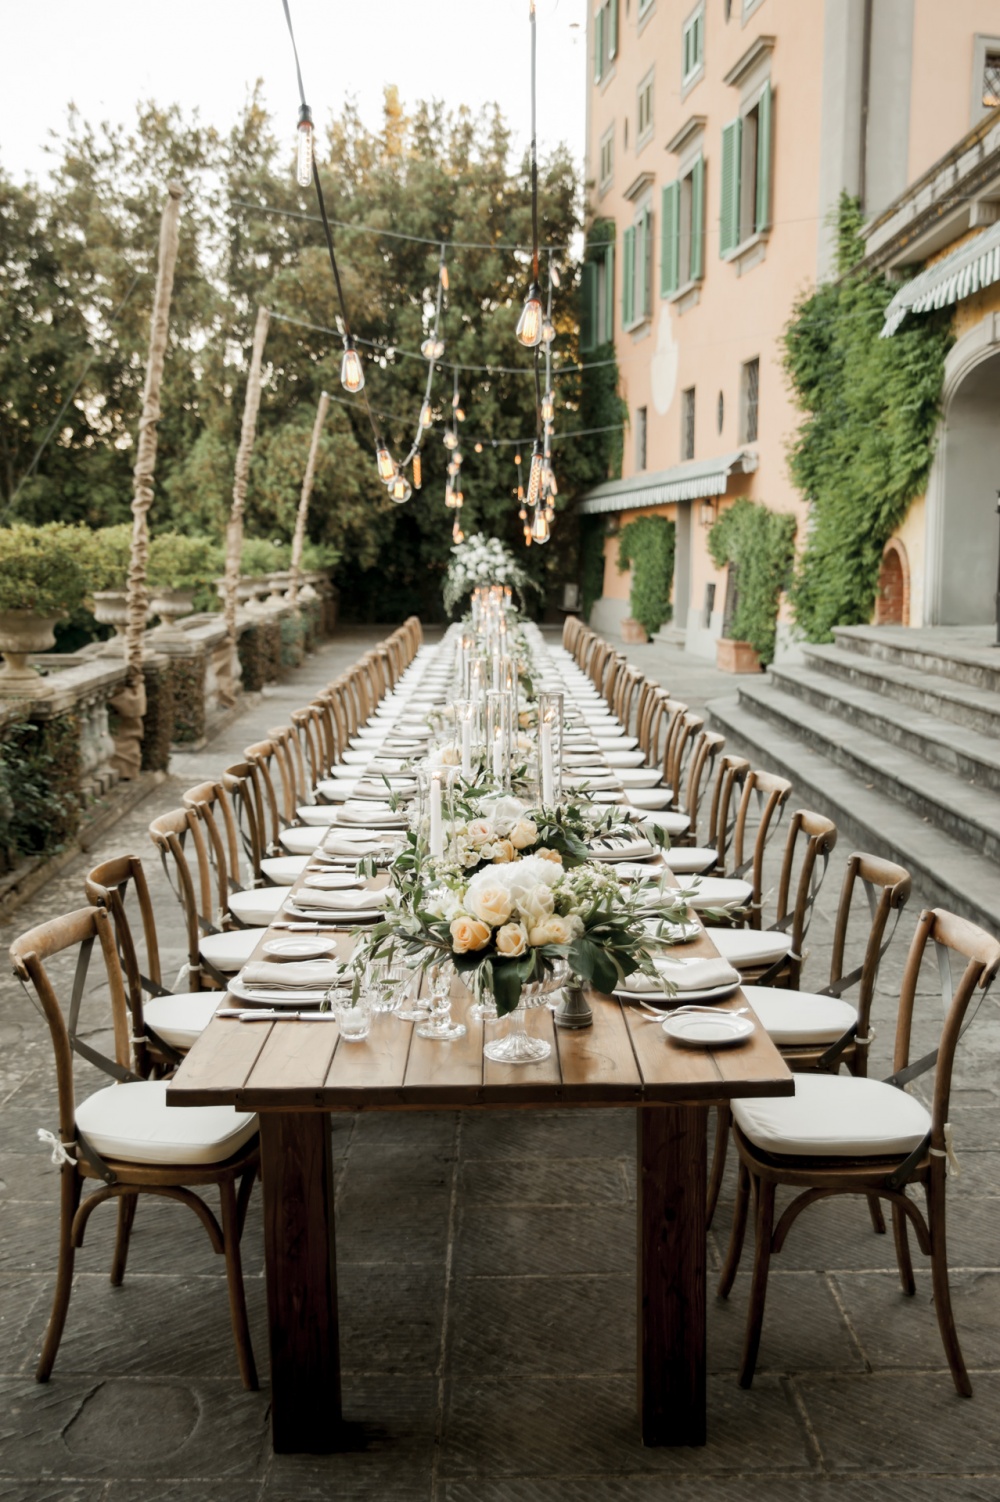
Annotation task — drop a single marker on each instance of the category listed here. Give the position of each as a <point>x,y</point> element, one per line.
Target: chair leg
<point>243,1197</point>
<point>237,1293</point>
<point>127,1206</point>
<point>902,1241</point>
<point>737,1232</point>
<point>763,1229</point>
<point>875,1211</point>
<point>942,1291</point>
<point>70,1189</point>
<point>723,1121</point>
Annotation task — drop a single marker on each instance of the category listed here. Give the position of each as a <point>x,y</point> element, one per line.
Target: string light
<point>535,475</point>
<point>418,474</point>
<point>304,148</point>
<point>457,535</point>
<point>450,439</point>
<point>383,458</point>
<point>548,407</point>
<point>540,525</point>
<point>548,330</point>
<point>426,415</point>
<point>479,448</point>
<point>529,325</point>
<point>400,489</point>
<point>432,348</point>
<point>352,372</point>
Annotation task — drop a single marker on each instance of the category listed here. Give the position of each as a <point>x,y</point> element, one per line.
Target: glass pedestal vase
<point>517,1046</point>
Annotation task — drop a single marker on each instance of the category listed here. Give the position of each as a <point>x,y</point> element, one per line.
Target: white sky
<point>103,55</point>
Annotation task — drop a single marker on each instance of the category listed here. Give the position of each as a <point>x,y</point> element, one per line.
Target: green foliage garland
<point>647,546</point>
<point>759,546</point>
<point>865,446</point>
<point>39,787</point>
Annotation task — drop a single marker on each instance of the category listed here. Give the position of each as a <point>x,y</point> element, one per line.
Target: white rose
<point>479,831</point>
<point>524,833</point>
<point>489,901</point>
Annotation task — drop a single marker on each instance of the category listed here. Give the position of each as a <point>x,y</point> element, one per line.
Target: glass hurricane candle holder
<point>550,747</point>
<point>498,737</point>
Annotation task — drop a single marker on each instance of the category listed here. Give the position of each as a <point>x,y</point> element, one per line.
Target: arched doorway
<point>962,535</point>
<point>892,604</point>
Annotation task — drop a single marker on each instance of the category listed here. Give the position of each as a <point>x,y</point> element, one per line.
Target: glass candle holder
<point>498,737</point>
<point>550,747</point>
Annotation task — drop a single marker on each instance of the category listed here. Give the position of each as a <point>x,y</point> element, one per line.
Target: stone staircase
<point>895,734</point>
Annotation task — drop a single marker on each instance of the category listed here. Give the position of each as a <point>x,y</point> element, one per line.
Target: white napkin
<point>353,849</point>
<point>686,975</point>
<point>369,813</point>
<point>362,901</point>
<point>294,976</point>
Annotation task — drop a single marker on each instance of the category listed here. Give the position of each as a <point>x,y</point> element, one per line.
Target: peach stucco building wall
<point>701,339</point>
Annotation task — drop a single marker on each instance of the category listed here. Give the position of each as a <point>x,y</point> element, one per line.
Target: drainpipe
<point>866,78</point>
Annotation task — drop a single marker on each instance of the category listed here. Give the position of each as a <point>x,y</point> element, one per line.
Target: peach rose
<point>490,902</point>
<point>512,940</point>
<point>478,831</point>
<point>468,933</point>
<point>524,833</point>
<point>503,852</point>
<point>546,854</point>
<point>553,931</point>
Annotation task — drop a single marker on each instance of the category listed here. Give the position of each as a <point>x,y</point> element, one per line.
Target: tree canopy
<point>77,260</point>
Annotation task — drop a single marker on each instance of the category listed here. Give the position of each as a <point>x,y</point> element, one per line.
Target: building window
<point>749,390</point>
<point>682,235</point>
<point>640,438</point>
<point>687,423</point>
<point>749,6</point>
<point>644,5</point>
<point>645,120</point>
<point>605,38</point>
<point>746,174</point>
<point>607,160</point>
<point>637,269</point>
<point>597,319</point>
<point>693,46</point>
<point>991,81</point>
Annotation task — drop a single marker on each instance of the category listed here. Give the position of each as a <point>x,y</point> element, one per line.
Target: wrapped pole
<point>234,531</point>
<point>130,703</point>
<point>307,489</point>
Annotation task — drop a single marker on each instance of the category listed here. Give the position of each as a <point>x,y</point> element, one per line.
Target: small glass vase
<point>517,1046</point>
<point>439,1025</point>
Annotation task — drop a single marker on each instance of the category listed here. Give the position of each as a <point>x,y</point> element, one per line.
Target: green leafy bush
<point>39,787</point>
<point>647,546</point>
<point>865,446</point>
<point>105,554</point>
<point>263,555</point>
<point>177,561</point>
<point>592,535</point>
<point>40,569</point>
<point>758,545</point>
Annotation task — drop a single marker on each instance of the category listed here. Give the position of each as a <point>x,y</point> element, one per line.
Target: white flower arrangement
<point>481,560</point>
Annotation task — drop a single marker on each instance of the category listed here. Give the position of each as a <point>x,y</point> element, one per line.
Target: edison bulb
<point>535,476</point>
<point>418,473</point>
<point>479,448</point>
<point>450,439</point>
<point>304,148</point>
<point>426,418</point>
<point>457,535</point>
<point>386,468</point>
<point>548,407</point>
<point>432,349</point>
<point>529,325</point>
<point>548,331</point>
<point>352,372</point>
<point>400,489</point>
<point>540,526</point>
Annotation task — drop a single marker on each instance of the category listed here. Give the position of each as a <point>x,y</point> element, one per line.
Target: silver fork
<point>649,1013</point>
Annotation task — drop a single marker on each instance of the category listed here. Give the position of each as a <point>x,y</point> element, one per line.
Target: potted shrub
<point>758,547</point>
<point>180,574</point>
<point>105,557</point>
<point>41,580</point>
<point>646,545</point>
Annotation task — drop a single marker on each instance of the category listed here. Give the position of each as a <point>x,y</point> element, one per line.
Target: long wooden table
<point>295,1073</point>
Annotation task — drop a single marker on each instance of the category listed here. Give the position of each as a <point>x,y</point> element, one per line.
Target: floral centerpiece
<point>481,560</point>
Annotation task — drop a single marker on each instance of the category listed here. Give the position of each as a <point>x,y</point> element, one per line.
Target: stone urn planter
<point>21,633</point>
<point>111,609</point>
<point>736,656</point>
<point>633,632</point>
<point>171,606</point>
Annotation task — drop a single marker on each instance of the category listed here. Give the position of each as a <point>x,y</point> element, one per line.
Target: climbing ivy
<point>864,448</point>
<point>758,545</point>
<point>592,534</point>
<point>647,546</point>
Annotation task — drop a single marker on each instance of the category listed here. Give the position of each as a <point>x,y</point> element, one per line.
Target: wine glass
<point>439,1025</point>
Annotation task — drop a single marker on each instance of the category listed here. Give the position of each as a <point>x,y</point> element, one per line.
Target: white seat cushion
<point>718,891</point>
<point>180,1020</point>
<point>835,1116</point>
<point>746,948</point>
<point>640,777</point>
<point>346,772</point>
<point>321,813</point>
<point>357,758</point>
<point>622,758</point>
<point>133,1123</point>
<point>284,869</point>
<point>257,904</point>
<point>692,859</point>
<point>229,952</point>
<point>303,841</point>
<point>673,824</point>
<point>616,740</point>
<point>790,1017</point>
<point>655,798</point>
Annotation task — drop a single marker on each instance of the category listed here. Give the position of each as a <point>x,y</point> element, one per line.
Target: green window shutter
<point>698,220</point>
<point>613,29</point>
<point>729,218</point>
<point>588,306</point>
<point>628,278</point>
<point>607,334</point>
<point>699,40</point>
<point>670,233</point>
<point>762,208</point>
<point>599,45</point>
<point>687,52</point>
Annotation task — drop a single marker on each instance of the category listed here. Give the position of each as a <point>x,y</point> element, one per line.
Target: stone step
<point>971,755</point>
<point>967,813</point>
<point>946,697</point>
<point>945,871</point>
<point>963,653</point>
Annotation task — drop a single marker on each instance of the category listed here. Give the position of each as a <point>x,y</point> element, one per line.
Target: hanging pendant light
<point>426,414</point>
<point>386,468</point>
<point>535,475</point>
<point>548,331</point>
<point>548,407</point>
<point>400,488</point>
<point>352,372</point>
<point>529,325</point>
<point>457,535</point>
<point>540,526</point>
<point>418,473</point>
<point>432,349</point>
<point>304,148</point>
<point>450,439</point>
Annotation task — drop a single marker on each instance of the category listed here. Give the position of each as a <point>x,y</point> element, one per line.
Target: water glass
<point>354,1017</point>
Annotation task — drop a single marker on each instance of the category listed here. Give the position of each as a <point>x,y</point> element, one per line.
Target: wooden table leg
<point>671,1244</point>
<point>300,1252</point>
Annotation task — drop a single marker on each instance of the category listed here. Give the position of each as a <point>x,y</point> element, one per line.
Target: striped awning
<point>974,265</point>
<point>692,481</point>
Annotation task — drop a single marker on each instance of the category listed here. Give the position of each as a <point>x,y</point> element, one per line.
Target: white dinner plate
<point>333,881</point>
<point>698,1030</point>
<point>305,947</point>
<point>714,993</point>
<point>634,850</point>
<point>345,918</point>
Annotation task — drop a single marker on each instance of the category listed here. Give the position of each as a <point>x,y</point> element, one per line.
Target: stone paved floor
<point>488,1303</point>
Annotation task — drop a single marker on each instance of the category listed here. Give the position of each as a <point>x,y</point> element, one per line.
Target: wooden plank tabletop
<point>624,1058</point>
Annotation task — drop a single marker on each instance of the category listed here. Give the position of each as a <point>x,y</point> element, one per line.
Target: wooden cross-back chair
<point>215,949</point>
<point>247,903</point>
<point>843,1134</point>
<point>704,749</point>
<point>124,1136</point>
